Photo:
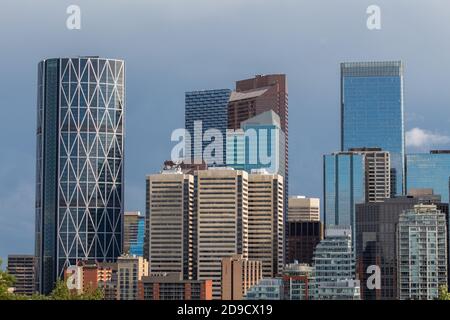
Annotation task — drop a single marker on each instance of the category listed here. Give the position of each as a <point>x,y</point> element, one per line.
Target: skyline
<point>170,74</point>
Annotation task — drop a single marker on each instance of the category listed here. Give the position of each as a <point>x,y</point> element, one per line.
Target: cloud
<point>420,138</point>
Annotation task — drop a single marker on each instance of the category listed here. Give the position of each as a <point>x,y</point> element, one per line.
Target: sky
<point>173,46</point>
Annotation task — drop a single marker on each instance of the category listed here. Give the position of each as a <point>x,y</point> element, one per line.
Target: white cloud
<point>420,138</point>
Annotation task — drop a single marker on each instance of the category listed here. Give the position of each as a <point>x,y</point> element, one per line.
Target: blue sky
<point>173,46</point>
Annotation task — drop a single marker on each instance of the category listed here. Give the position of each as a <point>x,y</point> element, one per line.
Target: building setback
<point>79,187</point>
<point>23,268</point>
<point>421,253</point>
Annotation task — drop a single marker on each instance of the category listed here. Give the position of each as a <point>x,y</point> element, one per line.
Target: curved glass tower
<point>79,173</point>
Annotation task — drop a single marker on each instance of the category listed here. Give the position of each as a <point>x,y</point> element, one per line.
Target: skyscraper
<point>206,112</point>
<point>372,111</point>
<point>265,221</point>
<point>422,253</point>
<point>79,187</point>
<point>238,275</point>
<point>170,220</point>
<point>429,170</point>
<point>133,233</point>
<point>130,270</point>
<point>344,186</point>
<point>303,209</point>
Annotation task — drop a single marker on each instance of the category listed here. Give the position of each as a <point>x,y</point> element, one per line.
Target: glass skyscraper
<point>344,186</point>
<point>429,171</point>
<point>79,172</point>
<point>372,111</point>
<point>206,110</point>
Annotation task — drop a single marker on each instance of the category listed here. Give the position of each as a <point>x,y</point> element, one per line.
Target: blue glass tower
<point>137,247</point>
<point>206,110</point>
<point>344,186</point>
<point>429,171</point>
<point>79,170</point>
<point>372,112</point>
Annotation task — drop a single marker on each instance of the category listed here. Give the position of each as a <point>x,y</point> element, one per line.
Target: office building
<point>376,239</point>
<point>297,278</point>
<point>265,221</point>
<point>133,233</point>
<point>378,180</point>
<point>23,269</point>
<point>429,170</point>
<point>130,270</point>
<point>79,187</point>
<point>334,266</point>
<point>302,208</point>
<point>372,111</point>
<point>170,223</point>
<point>344,186</point>
<point>421,253</point>
<point>206,113</point>
<point>267,289</point>
<point>171,286</point>
<point>222,221</point>
<point>302,239</point>
<point>238,275</point>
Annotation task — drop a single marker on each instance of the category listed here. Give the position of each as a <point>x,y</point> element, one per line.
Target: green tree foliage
<point>443,293</point>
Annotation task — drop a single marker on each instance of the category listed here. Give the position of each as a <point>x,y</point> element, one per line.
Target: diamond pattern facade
<point>79,205</point>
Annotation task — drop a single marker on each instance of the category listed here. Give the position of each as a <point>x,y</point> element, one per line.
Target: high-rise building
<point>376,238</point>
<point>238,275</point>
<point>421,253</point>
<point>303,237</point>
<point>23,268</point>
<point>344,186</point>
<point>334,266</point>
<point>372,111</point>
<point>79,187</point>
<point>133,233</point>
<point>265,221</point>
<point>170,223</point>
<point>378,180</point>
<point>303,209</point>
<point>258,95</point>
<point>206,111</point>
<point>130,270</point>
<point>431,171</point>
<point>172,286</point>
<point>222,221</point>
<point>259,144</point>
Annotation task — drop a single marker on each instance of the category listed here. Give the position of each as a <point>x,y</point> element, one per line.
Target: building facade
<point>421,253</point>
<point>222,221</point>
<point>170,223</point>
<point>79,189</point>
<point>302,208</point>
<point>303,237</point>
<point>334,266</point>
<point>297,280</point>
<point>130,270</point>
<point>206,111</point>
<point>133,233</point>
<point>430,171</point>
<point>344,187</point>
<point>265,221</point>
<point>23,268</point>
<point>267,289</point>
<point>238,275</point>
<point>372,111</point>
<point>172,286</point>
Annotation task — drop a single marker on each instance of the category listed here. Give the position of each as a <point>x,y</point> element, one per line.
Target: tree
<point>62,292</point>
<point>443,293</point>
<point>6,281</point>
